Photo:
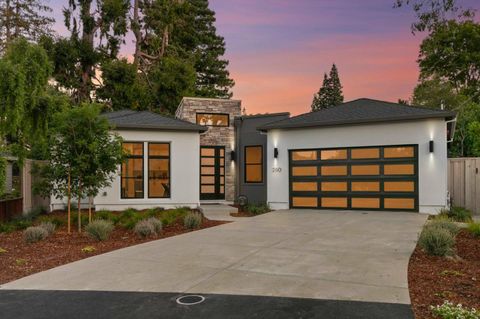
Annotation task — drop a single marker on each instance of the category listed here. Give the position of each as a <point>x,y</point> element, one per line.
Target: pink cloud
<point>382,67</point>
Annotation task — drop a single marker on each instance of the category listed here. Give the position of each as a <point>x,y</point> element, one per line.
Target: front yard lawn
<point>433,279</point>
<point>19,258</point>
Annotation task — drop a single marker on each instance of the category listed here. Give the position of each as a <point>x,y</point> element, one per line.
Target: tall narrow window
<point>158,170</point>
<point>253,164</point>
<point>132,171</point>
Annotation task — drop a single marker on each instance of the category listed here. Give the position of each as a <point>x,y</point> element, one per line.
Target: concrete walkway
<point>219,212</point>
<point>337,255</point>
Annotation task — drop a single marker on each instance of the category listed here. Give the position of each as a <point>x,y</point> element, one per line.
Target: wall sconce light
<point>275,152</point>
<point>232,156</point>
<point>430,146</point>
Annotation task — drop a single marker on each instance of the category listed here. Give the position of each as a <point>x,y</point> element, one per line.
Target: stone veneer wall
<point>221,136</point>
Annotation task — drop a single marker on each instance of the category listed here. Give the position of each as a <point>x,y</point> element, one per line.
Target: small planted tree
<point>83,156</point>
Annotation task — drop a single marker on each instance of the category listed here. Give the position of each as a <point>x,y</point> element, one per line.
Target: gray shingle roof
<point>358,112</point>
<point>146,120</point>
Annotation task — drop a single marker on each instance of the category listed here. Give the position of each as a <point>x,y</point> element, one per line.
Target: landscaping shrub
<point>88,249</point>
<point>168,217</point>
<point>7,228</point>
<point>57,221</point>
<point>192,220</point>
<point>460,214</point>
<point>99,230</point>
<point>474,229</point>
<point>20,224</point>
<point>436,241</point>
<point>156,223</point>
<point>129,218</point>
<point>257,209</point>
<point>48,226</point>
<point>107,215</point>
<point>449,311</point>
<point>444,224</point>
<point>34,234</point>
<point>74,218</point>
<point>144,228</point>
<point>154,212</point>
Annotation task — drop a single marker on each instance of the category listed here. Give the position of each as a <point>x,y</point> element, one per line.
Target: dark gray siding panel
<point>248,135</point>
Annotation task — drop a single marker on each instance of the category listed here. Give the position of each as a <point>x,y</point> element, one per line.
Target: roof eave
<point>446,115</point>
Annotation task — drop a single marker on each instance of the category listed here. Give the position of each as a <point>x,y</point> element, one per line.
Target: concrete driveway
<point>336,255</point>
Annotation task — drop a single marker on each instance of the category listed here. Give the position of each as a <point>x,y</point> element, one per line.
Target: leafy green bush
<point>144,228</point>
<point>192,220</point>
<point>7,228</point>
<point>474,229</point>
<point>154,212</point>
<point>436,241</point>
<point>57,221</point>
<point>74,218</point>
<point>460,214</point>
<point>48,226</point>
<point>34,234</point>
<point>449,311</point>
<point>129,218</point>
<point>257,209</point>
<point>444,224</point>
<point>156,224</point>
<point>20,224</point>
<point>99,230</point>
<point>107,215</point>
<point>168,217</point>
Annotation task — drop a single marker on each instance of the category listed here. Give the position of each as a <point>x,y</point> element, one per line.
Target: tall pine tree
<point>330,93</point>
<point>23,19</point>
<point>186,30</point>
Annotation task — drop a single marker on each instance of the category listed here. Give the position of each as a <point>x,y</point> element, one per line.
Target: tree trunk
<point>89,209</point>
<point>69,204</point>
<point>8,16</point>
<point>79,210</point>
<point>136,32</point>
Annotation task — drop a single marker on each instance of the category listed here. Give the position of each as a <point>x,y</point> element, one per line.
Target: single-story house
<point>364,154</point>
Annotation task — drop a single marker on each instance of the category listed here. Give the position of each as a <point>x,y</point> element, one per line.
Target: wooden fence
<point>10,208</point>
<point>464,183</point>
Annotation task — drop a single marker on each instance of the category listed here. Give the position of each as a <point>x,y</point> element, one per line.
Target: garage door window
<point>371,177</point>
<point>333,155</point>
<point>304,155</point>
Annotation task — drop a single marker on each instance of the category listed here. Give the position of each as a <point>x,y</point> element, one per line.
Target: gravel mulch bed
<point>22,259</point>
<point>432,280</point>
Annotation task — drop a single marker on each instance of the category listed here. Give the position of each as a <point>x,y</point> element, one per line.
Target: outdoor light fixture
<point>232,156</point>
<point>430,146</point>
<point>275,152</point>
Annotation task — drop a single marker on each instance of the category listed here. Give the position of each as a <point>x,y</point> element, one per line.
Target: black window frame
<point>142,157</point>
<point>169,168</point>
<point>209,113</point>
<point>245,164</point>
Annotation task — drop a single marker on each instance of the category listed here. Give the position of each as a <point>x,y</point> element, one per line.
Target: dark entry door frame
<point>212,172</point>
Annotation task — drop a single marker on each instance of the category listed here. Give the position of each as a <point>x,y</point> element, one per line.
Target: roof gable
<point>357,112</point>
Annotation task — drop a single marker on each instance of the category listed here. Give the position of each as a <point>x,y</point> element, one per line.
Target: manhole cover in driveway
<point>190,300</point>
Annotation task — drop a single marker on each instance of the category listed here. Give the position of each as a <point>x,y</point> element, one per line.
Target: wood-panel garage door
<point>372,178</point>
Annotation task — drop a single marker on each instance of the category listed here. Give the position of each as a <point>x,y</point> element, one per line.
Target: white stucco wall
<point>432,166</point>
<point>184,173</point>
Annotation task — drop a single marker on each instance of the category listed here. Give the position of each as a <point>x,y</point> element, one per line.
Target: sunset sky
<point>279,49</point>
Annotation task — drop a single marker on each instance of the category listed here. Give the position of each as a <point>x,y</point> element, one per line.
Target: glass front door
<point>212,172</point>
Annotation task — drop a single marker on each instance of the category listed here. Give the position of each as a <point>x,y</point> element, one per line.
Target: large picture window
<point>253,164</point>
<point>158,170</point>
<point>132,171</point>
<point>213,119</point>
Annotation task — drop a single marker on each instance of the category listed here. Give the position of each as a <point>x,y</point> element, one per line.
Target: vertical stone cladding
<point>215,136</point>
